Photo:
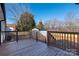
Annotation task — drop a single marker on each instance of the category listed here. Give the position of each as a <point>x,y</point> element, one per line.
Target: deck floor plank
<point>30,47</point>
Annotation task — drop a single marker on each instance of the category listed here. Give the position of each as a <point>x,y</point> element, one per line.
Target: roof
<point>35,29</point>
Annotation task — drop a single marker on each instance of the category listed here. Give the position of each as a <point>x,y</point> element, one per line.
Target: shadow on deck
<point>30,47</point>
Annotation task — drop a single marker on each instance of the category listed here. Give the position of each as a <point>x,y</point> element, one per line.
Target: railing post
<point>30,34</point>
<point>56,39</point>
<point>78,44</point>
<point>0,32</point>
<point>47,37</point>
<point>17,36</point>
<point>36,36</point>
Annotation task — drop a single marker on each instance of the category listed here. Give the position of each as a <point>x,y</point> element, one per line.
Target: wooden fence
<point>15,35</point>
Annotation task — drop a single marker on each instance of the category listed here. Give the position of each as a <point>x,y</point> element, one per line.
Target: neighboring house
<point>10,27</point>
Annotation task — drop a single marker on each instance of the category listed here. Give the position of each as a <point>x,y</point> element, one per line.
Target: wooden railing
<point>65,40</point>
<point>21,35</point>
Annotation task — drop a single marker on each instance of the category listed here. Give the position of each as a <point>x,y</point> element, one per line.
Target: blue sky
<point>45,11</point>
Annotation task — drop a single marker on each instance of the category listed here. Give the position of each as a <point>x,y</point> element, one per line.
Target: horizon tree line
<point>25,21</point>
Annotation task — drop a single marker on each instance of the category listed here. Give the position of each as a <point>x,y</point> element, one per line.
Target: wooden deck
<point>30,47</point>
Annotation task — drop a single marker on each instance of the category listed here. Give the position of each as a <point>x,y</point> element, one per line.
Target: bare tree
<point>53,24</point>
<point>71,23</point>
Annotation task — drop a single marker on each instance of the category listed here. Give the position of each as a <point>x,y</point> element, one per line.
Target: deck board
<point>30,47</point>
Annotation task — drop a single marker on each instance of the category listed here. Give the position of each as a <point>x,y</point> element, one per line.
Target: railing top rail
<point>15,31</point>
<point>65,32</point>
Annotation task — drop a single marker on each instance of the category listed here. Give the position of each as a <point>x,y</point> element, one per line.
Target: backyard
<point>31,32</point>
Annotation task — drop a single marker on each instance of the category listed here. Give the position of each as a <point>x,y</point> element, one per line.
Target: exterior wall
<point>2,22</point>
<point>1,14</point>
<point>2,31</point>
<point>2,25</point>
<point>2,36</point>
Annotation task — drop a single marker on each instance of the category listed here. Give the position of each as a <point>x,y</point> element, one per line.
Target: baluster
<point>66,41</point>
<point>74,40</point>
<point>62,40</point>
<point>57,40</point>
<point>70,40</point>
